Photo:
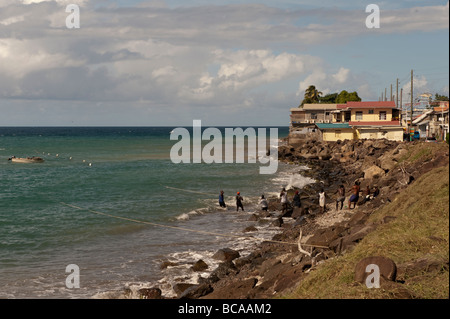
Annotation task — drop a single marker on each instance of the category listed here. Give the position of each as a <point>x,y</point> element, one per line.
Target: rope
<point>189,191</point>
<point>184,229</point>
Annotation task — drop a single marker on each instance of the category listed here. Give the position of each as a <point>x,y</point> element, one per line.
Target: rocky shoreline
<point>277,266</point>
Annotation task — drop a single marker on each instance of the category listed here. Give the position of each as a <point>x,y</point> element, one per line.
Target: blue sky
<point>234,62</point>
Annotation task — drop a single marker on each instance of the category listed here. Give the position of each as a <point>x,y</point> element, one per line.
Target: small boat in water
<point>33,159</point>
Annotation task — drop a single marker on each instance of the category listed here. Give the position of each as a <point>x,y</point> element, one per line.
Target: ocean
<point>110,201</point>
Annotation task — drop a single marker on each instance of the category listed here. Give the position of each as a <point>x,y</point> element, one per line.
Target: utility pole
<point>385,94</point>
<point>412,102</point>
<point>391,94</point>
<point>396,96</point>
<point>401,98</point>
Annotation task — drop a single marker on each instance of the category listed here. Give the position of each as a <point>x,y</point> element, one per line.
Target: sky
<point>226,63</point>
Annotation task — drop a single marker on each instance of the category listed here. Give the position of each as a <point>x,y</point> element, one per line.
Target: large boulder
<point>180,288</point>
<point>299,212</point>
<point>386,162</point>
<point>236,290</point>
<point>374,172</point>
<point>196,291</point>
<point>324,154</point>
<point>380,144</point>
<point>388,268</point>
<point>200,265</point>
<point>226,254</point>
<point>223,270</point>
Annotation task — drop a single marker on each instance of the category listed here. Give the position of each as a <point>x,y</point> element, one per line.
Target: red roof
<point>375,123</point>
<point>372,105</point>
<point>441,109</point>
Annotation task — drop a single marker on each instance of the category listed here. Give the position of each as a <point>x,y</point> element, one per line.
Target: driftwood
<point>300,249</point>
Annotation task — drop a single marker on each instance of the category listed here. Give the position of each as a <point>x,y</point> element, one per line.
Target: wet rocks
<point>234,290</point>
<point>275,268</point>
<point>250,229</point>
<point>226,254</point>
<point>200,265</point>
<point>196,291</point>
<point>180,288</point>
<point>150,293</point>
<point>166,264</point>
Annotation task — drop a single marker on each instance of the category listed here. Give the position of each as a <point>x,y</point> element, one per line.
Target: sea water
<point>110,201</point>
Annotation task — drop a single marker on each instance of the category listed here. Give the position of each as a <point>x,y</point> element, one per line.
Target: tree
<point>345,97</point>
<point>312,95</point>
<point>329,98</point>
<point>438,97</point>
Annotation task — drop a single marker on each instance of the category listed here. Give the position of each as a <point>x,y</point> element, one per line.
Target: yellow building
<point>336,131</point>
<point>364,120</point>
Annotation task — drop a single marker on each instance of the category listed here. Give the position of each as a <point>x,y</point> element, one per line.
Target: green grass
<point>422,152</point>
<point>421,211</point>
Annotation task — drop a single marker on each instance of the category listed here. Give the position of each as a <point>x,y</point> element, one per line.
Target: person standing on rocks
<point>221,200</point>
<point>239,200</point>
<point>341,197</point>
<point>296,200</point>
<point>284,201</point>
<point>355,195</point>
<point>263,203</point>
<point>322,196</point>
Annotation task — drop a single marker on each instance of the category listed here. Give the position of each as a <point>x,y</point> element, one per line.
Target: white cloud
<point>420,85</point>
<point>242,55</point>
<point>342,79</point>
<point>59,2</point>
<point>20,58</point>
<point>341,76</point>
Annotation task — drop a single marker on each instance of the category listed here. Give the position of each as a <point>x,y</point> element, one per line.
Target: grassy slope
<point>421,211</point>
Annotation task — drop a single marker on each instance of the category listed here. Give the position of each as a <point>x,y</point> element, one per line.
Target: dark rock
<point>359,217</point>
<point>253,218</point>
<point>290,278</point>
<point>166,264</point>
<point>253,258</point>
<point>149,293</point>
<point>226,254</point>
<point>396,289</point>
<point>288,212</point>
<point>267,265</point>
<point>422,265</point>
<point>235,290</point>
<point>357,234</point>
<point>373,172</point>
<point>264,214</point>
<point>277,222</point>
<point>180,288</point>
<point>388,269</point>
<point>224,269</point>
<point>196,291</point>
<point>326,236</point>
<point>300,221</point>
<point>250,229</point>
<point>200,265</point>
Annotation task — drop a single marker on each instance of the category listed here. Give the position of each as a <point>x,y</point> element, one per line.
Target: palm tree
<point>312,95</point>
